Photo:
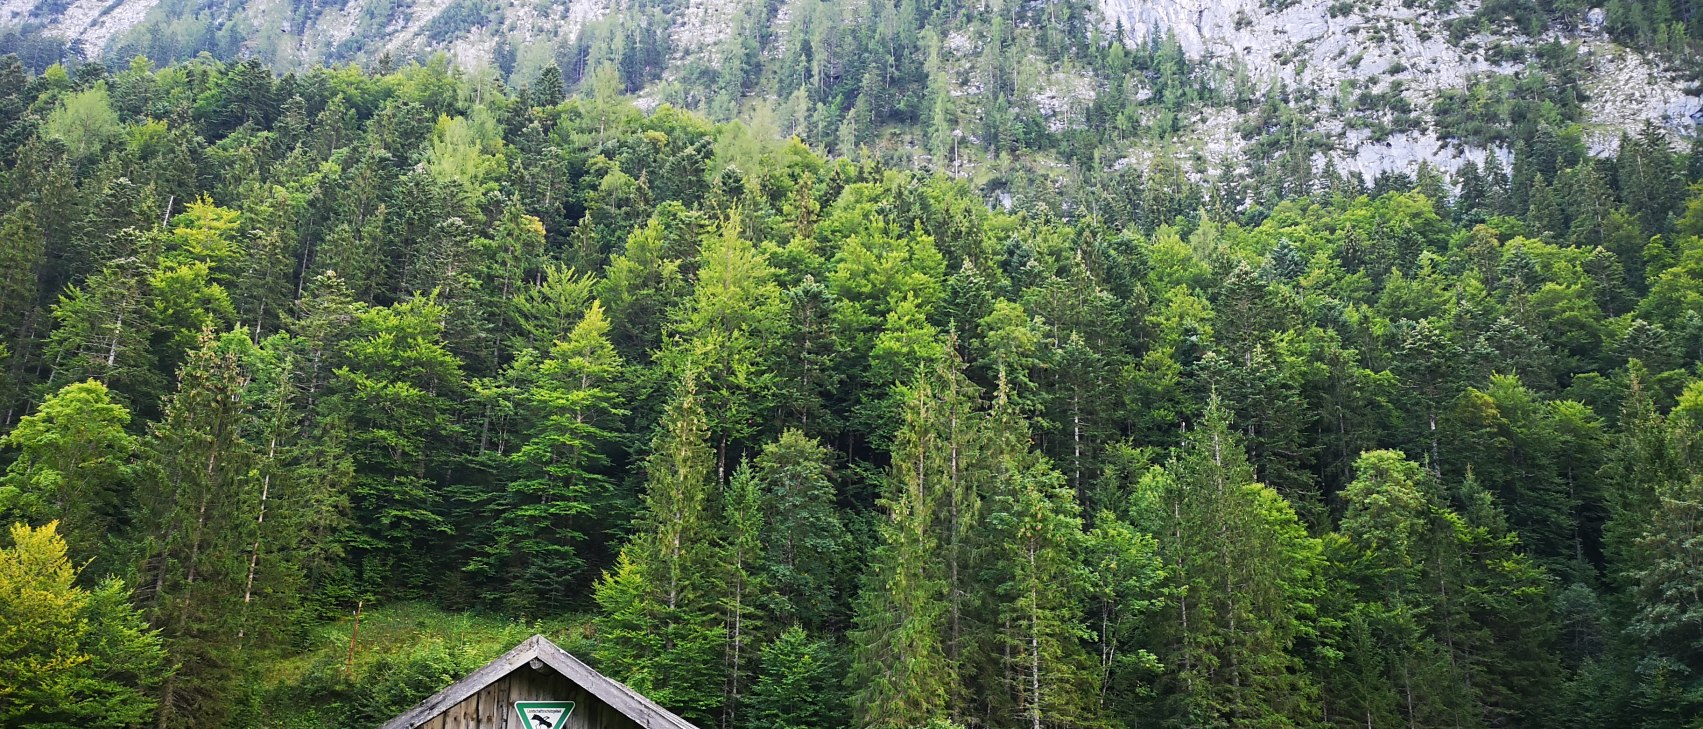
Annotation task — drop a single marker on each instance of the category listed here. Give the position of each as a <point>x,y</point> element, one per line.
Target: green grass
<point>403,653</point>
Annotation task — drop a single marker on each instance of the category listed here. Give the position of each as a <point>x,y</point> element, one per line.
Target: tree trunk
<point>259,530</point>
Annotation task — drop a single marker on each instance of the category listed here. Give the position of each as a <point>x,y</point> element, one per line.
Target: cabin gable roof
<point>539,651</point>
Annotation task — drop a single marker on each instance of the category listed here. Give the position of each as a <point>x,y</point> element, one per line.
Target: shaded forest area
<point>791,441</point>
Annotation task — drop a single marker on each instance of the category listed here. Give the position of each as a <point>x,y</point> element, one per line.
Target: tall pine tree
<point>1243,578</point>
<point>660,627</point>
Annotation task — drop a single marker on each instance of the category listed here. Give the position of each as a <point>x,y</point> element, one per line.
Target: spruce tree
<point>1125,584</point>
<point>1394,668</point>
<point>1035,542</point>
<point>558,489</point>
<point>661,632</point>
<point>902,675</point>
<point>23,261</point>
<point>799,684</point>
<point>394,392</point>
<point>102,330</point>
<point>300,500</point>
<point>744,589</point>
<point>192,523</point>
<point>730,329</point>
<point>1243,577</point>
<point>807,542</point>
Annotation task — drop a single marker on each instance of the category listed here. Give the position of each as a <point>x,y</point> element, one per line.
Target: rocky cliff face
<point>89,23</point>
<point>302,32</point>
<point>1326,46</point>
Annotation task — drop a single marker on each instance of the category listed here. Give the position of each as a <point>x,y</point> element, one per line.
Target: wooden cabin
<point>537,686</point>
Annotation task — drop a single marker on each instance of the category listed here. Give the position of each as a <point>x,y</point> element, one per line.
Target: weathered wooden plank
<point>496,710</point>
<point>506,717</point>
<point>467,712</point>
<point>454,716</point>
<point>585,709</point>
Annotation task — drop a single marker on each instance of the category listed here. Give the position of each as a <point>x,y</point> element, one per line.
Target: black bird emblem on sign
<point>539,720</point>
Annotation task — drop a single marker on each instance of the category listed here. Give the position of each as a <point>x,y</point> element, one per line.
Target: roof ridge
<point>617,695</point>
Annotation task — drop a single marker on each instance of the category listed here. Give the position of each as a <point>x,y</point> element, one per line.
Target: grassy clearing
<point>403,653</point>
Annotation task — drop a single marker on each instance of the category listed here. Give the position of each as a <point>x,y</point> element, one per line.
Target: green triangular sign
<point>543,714</point>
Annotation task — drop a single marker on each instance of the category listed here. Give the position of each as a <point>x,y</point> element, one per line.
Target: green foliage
<point>74,466</point>
<point>1125,580</point>
<point>1037,538</point>
<point>85,122</point>
<point>558,489</point>
<point>72,656</point>
<point>726,329</point>
<point>1244,581</point>
<point>1405,556</point>
<point>807,542</point>
<point>22,258</point>
<point>457,18</point>
<point>394,394</point>
<point>797,684</point>
<point>660,625</point>
<point>405,653</point>
<point>901,675</point>
<point>197,508</point>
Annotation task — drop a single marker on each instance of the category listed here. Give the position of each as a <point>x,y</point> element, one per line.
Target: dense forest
<point>798,442</point>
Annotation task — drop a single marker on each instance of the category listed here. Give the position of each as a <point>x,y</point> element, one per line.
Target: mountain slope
<point>1024,96</point>
<point>1337,50</point>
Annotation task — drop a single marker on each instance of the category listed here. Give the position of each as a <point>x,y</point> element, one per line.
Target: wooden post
<point>349,668</point>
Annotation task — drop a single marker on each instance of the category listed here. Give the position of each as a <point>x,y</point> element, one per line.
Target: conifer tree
<point>1394,667</point>
<point>264,284</point>
<point>192,528</point>
<point>730,330</point>
<point>299,500</point>
<point>1652,541</point>
<point>808,374</point>
<point>558,491</point>
<point>803,532</point>
<point>660,628</point>
<point>1509,440</point>
<point>901,672</point>
<point>393,391</point>
<point>1425,364</point>
<point>1492,612</point>
<point>1666,618</point>
<point>1243,579</point>
<point>1035,539</point>
<point>1545,213</point>
<point>798,684</point>
<point>547,309</point>
<point>102,330</point>
<point>323,320</point>
<point>23,259</point>
<point>744,588</point>
<point>642,282</point>
<point>1125,582</point>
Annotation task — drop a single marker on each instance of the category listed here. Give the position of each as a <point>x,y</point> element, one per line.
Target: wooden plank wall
<point>493,707</point>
